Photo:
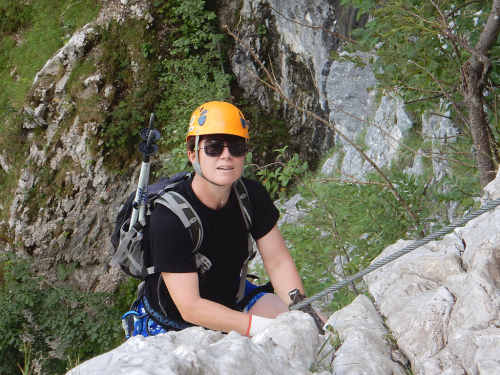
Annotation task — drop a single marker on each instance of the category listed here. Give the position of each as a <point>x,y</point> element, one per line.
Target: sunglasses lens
<point>214,149</point>
<point>237,149</point>
<point>217,148</point>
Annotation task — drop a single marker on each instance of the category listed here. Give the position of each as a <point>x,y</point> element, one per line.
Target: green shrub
<point>55,323</point>
<point>14,14</point>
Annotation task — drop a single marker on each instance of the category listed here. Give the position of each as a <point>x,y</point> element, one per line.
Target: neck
<point>212,196</point>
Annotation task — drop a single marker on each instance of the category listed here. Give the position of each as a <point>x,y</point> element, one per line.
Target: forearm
<point>279,264</point>
<point>183,288</point>
<point>285,278</point>
<point>214,316</point>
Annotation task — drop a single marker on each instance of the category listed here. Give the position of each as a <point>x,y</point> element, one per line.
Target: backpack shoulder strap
<point>188,216</point>
<point>246,211</point>
<point>244,202</point>
<point>190,219</point>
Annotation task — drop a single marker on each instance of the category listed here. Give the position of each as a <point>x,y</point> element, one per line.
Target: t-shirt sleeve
<point>265,215</point>
<point>170,242</point>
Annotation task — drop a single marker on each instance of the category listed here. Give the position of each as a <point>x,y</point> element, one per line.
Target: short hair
<point>190,143</point>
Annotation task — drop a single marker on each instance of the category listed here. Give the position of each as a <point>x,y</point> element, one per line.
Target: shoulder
<point>161,216</point>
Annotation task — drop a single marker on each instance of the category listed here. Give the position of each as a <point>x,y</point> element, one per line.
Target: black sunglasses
<point>216,148</point>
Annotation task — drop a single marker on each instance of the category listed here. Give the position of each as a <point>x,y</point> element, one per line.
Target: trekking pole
<point>148,148</point>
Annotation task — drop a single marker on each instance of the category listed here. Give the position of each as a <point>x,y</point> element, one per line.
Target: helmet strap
<point>196,164</point>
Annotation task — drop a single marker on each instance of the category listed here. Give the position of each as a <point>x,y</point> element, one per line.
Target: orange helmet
<point>217,118</point>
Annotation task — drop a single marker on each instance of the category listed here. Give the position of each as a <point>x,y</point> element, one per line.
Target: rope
<point>399,253</point>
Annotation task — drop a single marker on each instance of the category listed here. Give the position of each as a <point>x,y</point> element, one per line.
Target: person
<point>177,296</point>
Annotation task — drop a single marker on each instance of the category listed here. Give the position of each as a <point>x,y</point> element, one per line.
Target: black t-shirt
<point>224,243</point>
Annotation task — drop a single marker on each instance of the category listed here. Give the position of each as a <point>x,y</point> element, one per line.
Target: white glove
<point>257,324</point>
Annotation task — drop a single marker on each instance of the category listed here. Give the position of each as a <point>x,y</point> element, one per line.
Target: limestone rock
<point>364,347</point>
<point>74,222</point>
<point>288,346</point>
<point>492,190</point>
<point>442,301</point>
<point>3,163</point>
<point>300,59</point>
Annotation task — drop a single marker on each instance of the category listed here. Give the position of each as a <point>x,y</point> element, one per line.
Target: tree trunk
<point>472,89</point>
<point>474,75</point>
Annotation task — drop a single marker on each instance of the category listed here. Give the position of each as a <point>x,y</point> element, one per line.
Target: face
<point>225,168</point>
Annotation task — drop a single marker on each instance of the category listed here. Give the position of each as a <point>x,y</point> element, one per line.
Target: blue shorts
<point>248,288</point>
<point>151,328</point>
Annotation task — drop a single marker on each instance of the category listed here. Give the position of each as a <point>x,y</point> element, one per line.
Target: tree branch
<point>486,40</point>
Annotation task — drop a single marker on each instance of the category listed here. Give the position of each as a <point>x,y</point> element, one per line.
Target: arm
<point>184,290</point>
<point>279,264</point>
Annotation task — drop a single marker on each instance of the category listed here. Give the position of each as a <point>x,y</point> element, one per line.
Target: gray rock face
<point>442,301</point>
<point>364,347</point>
<point>381,139</point>
<point>75,223</point>
<point>300,62</point>
<point>441,131</point>
<point>350,101</point>
<point>74,227</point>
<point>288,346</point>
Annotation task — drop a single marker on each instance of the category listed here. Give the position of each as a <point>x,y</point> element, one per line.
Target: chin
<point>226,180</point>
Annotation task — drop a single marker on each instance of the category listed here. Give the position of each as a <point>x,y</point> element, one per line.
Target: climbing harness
<point>397,254</point>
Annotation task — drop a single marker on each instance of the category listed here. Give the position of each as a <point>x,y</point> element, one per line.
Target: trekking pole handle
<point>150,132</point>
<point>148,148</point>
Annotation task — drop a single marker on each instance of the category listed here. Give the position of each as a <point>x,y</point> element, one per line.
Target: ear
<point>191,156</point>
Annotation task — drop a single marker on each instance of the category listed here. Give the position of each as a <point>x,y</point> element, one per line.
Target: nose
<point>225,151</point>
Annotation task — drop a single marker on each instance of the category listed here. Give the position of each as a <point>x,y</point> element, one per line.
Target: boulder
<point>364,342</point>
<point>288,346</point>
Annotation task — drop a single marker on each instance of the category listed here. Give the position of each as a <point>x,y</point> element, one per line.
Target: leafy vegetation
<point>30,33</point>
<point>51,322</point>
<point>133,75</point>
<point>193,72</point>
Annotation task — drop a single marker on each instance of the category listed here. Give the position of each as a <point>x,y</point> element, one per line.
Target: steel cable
<point>399,253</point>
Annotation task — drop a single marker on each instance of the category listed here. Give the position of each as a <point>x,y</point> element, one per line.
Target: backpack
<point>132,252</point>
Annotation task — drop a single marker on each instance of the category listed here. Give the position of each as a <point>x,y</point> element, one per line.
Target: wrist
<point>257,324</point>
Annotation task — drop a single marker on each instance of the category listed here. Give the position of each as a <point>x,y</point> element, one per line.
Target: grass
<point>25,51</point>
